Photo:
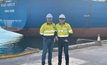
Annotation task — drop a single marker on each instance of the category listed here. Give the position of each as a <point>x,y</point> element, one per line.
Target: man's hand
<point>66,40</point>
<point>56,39</point>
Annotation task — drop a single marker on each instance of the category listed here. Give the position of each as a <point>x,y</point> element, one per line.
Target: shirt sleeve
<point>55,31</point>
<point>70,29</point>
<point>42,30</point>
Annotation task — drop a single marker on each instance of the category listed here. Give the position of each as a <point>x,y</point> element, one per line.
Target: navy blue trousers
<point>61,45</point>
<point>47,48</point>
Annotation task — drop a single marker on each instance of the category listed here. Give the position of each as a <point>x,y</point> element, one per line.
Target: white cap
<point>62,16</point>
<point>49,16</point>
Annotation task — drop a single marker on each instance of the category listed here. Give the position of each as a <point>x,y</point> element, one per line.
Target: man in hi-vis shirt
<point>47,30</point>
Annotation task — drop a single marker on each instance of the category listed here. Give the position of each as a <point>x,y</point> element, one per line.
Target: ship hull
<point>87,18</point>
<point>78,32</point>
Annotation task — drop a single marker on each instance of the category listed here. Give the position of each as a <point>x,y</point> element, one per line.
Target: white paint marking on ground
<point>73,61</point>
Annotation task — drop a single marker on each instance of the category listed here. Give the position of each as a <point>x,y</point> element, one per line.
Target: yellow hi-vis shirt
<point>63,30</point>
<point>47,29</point>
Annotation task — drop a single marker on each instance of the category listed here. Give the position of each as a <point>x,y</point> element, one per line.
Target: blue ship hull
<point>87,18</point>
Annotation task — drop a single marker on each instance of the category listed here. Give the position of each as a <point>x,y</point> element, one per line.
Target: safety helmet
<point>49,16</point>
<point>62,16</point>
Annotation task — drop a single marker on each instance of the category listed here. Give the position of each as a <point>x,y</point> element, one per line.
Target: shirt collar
<point>63,23</point>
<point>48,23</point>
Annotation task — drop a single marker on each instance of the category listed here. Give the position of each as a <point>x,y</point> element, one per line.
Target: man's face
<point>49,20</point>
<point>62,20</point>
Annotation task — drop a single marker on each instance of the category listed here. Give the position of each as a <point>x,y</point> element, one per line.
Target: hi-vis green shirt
<point>47,29</point>
<point>63,30</point>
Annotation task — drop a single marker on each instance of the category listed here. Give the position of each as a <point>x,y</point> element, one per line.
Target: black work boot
<point>59,63</point>
<point>49,63</point>
<point>43,63</point>
<point>67,63</point>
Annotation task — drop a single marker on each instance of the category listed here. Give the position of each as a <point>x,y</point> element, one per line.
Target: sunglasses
<point>62,18</point>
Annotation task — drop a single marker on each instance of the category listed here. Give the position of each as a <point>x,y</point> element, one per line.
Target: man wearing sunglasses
<point>63,30</point>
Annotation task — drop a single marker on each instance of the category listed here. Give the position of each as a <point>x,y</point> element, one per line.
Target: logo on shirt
<point>1,1</point>
<point>54,27</point>
<point>65,26</point>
